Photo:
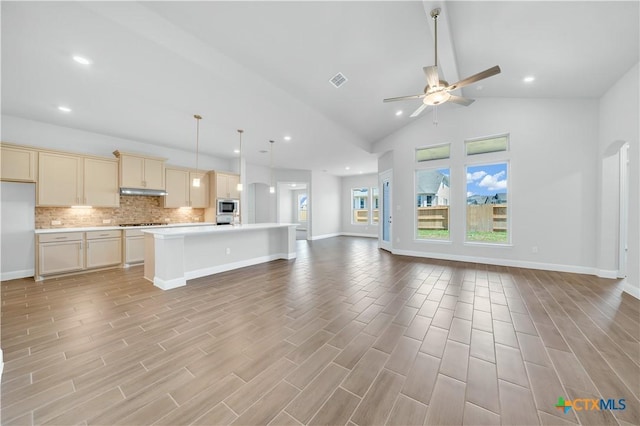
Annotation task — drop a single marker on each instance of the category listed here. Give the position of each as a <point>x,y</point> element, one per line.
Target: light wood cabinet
<point>18,164</point>
<point>69,252</point>
<point>227,185</point>
<point>134,246</point>
<point>60,180</point>
<point>103,249</point>
<point>101,183</point>
<point>70,180</point>
<point>60,253</point>
<point>137,171</point>
<point>180,191</point>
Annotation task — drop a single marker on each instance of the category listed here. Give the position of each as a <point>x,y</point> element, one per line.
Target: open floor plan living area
<point>352,213</point>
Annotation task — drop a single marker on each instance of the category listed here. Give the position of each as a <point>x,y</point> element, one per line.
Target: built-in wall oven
<point>227,210</point>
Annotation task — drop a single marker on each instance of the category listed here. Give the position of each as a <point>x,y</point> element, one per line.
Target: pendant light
<point>239,187</point>
<point>272,188</point>
<point>196,179</point>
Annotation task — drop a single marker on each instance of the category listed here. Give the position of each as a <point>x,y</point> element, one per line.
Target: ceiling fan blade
<point>476,77</point>
<point>418,111</point>
<point>460,100</point>
<point>433,80</point>
<point>403,98</point>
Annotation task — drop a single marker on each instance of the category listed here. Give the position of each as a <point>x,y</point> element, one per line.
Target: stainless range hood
<point>142,191</point>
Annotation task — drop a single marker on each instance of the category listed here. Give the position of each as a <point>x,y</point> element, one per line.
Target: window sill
<point>481,244</point>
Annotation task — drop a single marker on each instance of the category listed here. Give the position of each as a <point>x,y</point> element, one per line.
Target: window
<point>302,207</point>
<point>374,205</point>
<point>432,203</point>
<point>433,153</point>
<point>487,213</point>
<point>483,146</point>
<point>360,205</point>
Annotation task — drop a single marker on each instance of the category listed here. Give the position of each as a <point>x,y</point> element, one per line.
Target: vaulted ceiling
<point>265,67</point>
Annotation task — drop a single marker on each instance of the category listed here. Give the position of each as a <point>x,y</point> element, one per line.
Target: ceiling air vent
<point>338,80</point>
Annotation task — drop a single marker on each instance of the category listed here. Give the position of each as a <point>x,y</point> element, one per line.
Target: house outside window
<point>432,203</point>
<point>360,205</point>
<point>302,207</point>
<point>375,208</point>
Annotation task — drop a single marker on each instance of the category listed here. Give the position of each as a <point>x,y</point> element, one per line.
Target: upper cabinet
<point>101,183</point>
<point>181,192</point>
<point>60,180</point>
<point>227,185</point>
<point>70,180</point>
<point>138,171</point>
<point>18,164</point>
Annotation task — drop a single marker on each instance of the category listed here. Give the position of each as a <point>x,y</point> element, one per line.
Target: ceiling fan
<point>436,91</point>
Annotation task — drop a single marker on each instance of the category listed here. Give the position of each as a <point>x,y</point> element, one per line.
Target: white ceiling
<point>264,67</point>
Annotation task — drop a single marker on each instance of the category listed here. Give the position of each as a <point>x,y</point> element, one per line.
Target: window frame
<point>367,205</point>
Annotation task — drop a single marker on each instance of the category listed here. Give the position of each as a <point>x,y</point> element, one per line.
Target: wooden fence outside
<point>480,218</point>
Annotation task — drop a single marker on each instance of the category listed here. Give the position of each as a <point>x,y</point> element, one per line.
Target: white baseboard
<point>605,273</point>
<point>12,275</point>
<point>633,290</point>
<point>357,234</point>
<point>1,363</point>
<point>169,284</point>
<point>322,237</point>
<point>501,262</point>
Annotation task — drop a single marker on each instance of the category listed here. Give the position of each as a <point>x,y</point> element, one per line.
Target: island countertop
<point>175,255</point>
<point>160,232</point>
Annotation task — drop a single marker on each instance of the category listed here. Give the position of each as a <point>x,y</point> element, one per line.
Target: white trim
<point>357,234</point>
<point>12,275</point>
<point>605,273</point>
<point>501,262</point>
<point>322,237</point>
<point>633,290</point>
<point>169,284</point>
<point>236,265</point>
<point>1,363</point>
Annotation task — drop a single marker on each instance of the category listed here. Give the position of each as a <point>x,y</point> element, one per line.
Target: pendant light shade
<point>196,179</point>
<point>239,186</point>
<point>272,188</point>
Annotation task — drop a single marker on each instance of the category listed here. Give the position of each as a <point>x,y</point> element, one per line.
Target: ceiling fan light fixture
<point>436,98</point>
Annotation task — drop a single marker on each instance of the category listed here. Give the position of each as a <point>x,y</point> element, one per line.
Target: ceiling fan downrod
<point>434,14</point>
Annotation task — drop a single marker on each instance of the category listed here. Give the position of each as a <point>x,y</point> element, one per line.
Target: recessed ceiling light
<point>347,168</point>
<point>236,151</point>
<point>293,185</point>
<point>82,60</point>
<point>287,138</point>
<point>64,108</point>
<point>360,172</point>
<point>528,79</point>
<point>399,112</point>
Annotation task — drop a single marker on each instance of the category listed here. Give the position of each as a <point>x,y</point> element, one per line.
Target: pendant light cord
<point>198,118</point>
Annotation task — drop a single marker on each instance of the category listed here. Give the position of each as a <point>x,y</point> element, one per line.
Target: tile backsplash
<point>133,209</point>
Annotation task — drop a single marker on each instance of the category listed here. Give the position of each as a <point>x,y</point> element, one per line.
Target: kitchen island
<point>175,255</point>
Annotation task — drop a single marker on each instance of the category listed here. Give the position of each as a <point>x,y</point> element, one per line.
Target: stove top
<point>142,224</point>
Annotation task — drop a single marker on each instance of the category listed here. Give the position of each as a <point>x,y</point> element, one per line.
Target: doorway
<point>623,249</point>
<point>385,232</point>
<point>293,206</point>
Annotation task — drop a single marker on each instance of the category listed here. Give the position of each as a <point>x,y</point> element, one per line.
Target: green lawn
<point>443,234</point>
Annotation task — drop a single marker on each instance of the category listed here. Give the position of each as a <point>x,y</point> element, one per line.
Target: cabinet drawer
<point>60,236</point>
<point>94,235</point>
<point>133,233</point>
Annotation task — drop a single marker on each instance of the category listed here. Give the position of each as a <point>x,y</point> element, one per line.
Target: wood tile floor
<point>345,334</point>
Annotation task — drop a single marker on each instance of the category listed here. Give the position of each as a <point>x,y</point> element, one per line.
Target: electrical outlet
<point>106,221</point>
<point>196,219</point>
<point>228,250</point>
<point>56,222</point>
<point>167,219</point>
<point>534,249</point>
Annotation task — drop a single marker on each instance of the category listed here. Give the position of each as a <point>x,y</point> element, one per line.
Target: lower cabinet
<point>68,252</point>
<point>103,249</point>
<point>133,246</point>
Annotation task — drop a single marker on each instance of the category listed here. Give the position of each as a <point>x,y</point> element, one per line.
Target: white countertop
<point>161,232</point>
<point>115,227</point>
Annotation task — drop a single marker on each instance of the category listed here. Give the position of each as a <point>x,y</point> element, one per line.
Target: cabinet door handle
<point>104,235</point>
<point>61,238</point>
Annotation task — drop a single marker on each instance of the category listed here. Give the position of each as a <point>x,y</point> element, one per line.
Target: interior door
<point>385,234</point>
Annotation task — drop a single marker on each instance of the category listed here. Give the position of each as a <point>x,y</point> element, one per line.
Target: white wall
<point>553,197</point>
<point>325,205</point>
<point>618,123</point>
<point>285,204</point>
<point>48,136</point>
<point>17,219</point>
<point>349,183</point>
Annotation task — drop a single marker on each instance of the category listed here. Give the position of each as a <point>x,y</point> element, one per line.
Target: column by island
<point>175,255</point>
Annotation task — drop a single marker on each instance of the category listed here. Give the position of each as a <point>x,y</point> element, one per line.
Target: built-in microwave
<point>227,206</point>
